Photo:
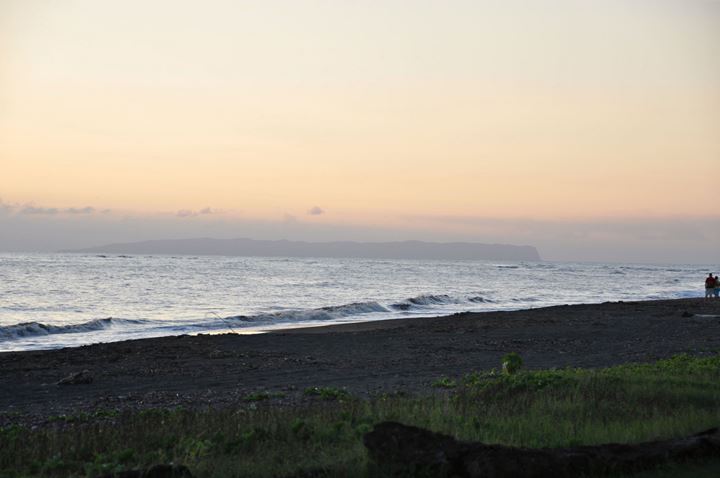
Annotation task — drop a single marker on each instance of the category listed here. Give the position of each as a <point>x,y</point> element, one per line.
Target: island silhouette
<point>350,249</point>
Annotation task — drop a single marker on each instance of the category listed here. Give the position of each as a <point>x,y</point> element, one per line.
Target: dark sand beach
<point>365,358</point>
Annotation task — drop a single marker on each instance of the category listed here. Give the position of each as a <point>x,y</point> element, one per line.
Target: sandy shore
<point>366,358</point>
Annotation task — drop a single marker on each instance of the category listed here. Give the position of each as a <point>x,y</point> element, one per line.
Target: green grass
<point>549,408</point>
<point>328,393</point>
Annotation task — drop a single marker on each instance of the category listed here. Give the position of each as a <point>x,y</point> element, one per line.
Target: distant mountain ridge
<point>284,248</point>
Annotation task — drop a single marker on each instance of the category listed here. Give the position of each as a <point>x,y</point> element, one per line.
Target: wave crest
<point>323,313</point>
<point>35,329</point>
<point>426,301</point>
<point>423,301</point>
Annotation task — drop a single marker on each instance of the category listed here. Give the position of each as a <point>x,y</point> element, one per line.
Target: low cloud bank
<point>656,240</point>
<point>192,213</point>
<point>31,209</point>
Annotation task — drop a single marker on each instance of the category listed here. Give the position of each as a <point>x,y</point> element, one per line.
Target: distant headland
<point>284,248</point>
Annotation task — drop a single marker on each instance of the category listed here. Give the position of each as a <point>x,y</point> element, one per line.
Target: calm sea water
<point>61,300</point>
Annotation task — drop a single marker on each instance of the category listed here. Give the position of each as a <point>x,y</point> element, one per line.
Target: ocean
<point>67,300</point>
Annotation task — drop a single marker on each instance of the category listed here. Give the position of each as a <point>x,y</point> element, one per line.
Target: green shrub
<point>444,382</point>
<point>327,393</point>
<point>511,363</point>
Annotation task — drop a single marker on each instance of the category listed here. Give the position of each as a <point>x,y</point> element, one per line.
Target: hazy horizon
<point>589,130</point>
<point>619,241</point>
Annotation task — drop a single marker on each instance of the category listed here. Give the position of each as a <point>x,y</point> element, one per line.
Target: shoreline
<point>366,358</point>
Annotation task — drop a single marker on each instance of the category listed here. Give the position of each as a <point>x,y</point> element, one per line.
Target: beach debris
<point>686,314</point>
<point>412,451</point>
<point>156,471</point>
<point>77,378</point>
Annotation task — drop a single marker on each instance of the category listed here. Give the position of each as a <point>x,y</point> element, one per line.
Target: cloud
<point>45,211</point>
<point>316,211</point>
<point>680,239</point>
<point>5,207</point>
<point>52,211</point>
<point>185,213</point>
<point>81,210</point>
<point>193,213</point>
<point>30,209</point>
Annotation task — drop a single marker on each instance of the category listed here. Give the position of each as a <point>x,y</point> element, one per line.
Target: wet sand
<point>366,358</point>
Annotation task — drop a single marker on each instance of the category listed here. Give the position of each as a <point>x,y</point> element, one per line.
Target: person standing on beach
<point>716,290</point>
<point>710,286</point>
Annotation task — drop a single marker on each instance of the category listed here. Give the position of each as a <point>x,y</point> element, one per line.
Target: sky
<point>589,129</point>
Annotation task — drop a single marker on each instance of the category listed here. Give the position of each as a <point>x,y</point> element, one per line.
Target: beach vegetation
<point>393,394</point>
<point>476,378</point>
<point>529,408</point>
<point>83,416</point>
<point>444,382</point>
<point>511,363</point>
<point>111,462</point>
<point>327,393</point>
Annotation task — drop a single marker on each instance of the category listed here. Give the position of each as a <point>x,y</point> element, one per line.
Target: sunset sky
<point>590,129</point>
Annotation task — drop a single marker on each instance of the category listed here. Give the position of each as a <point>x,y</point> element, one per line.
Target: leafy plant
<point>327,393</point>
<point>444,382</point>
<point>511,363</point>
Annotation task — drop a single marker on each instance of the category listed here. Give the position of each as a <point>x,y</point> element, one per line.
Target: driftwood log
<point>411,451</point>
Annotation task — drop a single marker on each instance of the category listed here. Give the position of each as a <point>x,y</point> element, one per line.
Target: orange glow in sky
<point>547,109</point>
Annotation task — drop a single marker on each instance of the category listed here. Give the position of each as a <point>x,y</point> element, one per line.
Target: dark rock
<point>77,378</point>
<point>411,451</point>
<point>687,314</point>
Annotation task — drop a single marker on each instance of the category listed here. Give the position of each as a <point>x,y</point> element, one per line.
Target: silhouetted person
<point>710,286</point>
<point>716,290</point>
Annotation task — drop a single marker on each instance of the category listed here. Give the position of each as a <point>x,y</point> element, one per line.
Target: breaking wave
<point>34,329</point>
<point>428,300</point>
<point>322,313</point>
<point>419,304</point>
